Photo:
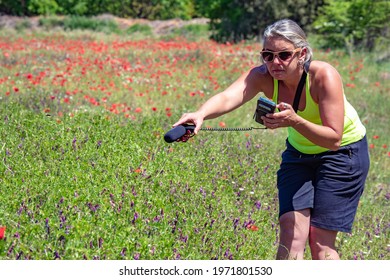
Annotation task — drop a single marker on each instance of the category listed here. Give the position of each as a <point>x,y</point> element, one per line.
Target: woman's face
<point>281,58</point>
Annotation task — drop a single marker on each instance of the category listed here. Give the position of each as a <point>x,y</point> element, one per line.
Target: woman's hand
<point>284,118</point>
<point>195,118</point>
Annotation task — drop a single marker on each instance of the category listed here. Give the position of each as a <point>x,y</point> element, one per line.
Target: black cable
<point>185,131</point>
<point>231,128</point>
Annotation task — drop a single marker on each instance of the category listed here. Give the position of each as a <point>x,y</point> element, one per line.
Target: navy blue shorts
<point>329,183</point>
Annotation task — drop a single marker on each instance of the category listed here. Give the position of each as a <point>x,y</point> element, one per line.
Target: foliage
<point>191,32</point>
<point>349,24</point>
<point>80,22</point>
<point>77,22</point>
<point>147,9</point>
<point>234,20</point>
<point>140,28</point>
<point>354,24</point>
<point>43,7</point>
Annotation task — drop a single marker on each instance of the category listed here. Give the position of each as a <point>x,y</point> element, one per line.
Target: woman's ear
<point>302,54</point>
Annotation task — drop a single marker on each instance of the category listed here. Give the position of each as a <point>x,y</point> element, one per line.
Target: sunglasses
<point>269,56</point>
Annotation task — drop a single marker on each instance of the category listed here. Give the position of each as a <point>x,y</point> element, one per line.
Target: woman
<point>325,164</point>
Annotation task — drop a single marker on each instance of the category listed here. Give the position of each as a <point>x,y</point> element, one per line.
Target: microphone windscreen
<point>175,133</point>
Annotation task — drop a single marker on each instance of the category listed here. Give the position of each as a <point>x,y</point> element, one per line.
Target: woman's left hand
<point>284,118</point>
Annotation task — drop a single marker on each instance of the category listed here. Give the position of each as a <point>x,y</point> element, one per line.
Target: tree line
<point>351,24</point>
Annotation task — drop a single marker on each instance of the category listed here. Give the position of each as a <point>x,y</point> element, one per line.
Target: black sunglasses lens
<point>285,55</point>
<point>267,56</point>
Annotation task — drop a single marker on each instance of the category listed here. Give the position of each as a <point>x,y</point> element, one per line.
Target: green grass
<point>86,174</point>
<point>124,170</point>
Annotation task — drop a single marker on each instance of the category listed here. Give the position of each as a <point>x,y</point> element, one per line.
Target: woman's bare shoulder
<point>260,70</point>
<point>318,67</point>
<point>260,79</point>
<point>323,72</point>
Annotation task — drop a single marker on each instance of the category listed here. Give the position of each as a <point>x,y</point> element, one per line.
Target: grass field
<point>86,174</point>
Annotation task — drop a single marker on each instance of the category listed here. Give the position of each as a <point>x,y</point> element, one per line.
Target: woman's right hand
<point>195,118</point>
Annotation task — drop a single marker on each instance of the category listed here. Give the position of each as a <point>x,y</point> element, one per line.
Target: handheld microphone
<point>177,132</point>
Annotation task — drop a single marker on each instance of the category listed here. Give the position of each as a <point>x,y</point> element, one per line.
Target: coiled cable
<point>230,128</point>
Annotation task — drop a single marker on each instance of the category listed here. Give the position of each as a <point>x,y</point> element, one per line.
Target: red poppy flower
<point>2,232</point>
<point>252,227</point>
<point>222,124</point>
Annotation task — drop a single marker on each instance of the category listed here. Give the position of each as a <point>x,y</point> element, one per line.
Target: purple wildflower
<point>74,143</point>
<point>235,222</point>
<point>21,208</point>
<point>93,208</point>
<point>135,218</point>
<point>184,238</point>
<point>203,192</point>
<point>123,252</point>
<point>11,249</point>
<point>228,255</point>
<point>47,226</point>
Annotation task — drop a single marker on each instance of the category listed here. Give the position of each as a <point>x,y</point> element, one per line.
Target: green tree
<point>14,7</point>
<point>354,24</point>
<point>235,20</point>
<point>148,9</point>
<point>43,7</point>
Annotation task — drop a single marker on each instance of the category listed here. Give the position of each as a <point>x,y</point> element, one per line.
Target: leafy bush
<point>51,22</point>
<point>192,32</point>
<point>80,22</point>
<point>23,24</point>
<point>43,7</point>
<point>236,20</point>
<point>139,28</point>
<point>354,24</point>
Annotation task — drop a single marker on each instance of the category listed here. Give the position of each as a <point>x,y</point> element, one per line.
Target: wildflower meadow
<point>86,174</point>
